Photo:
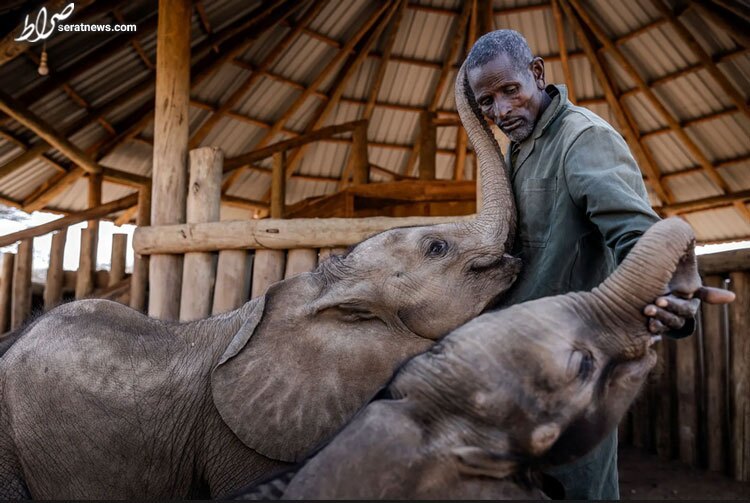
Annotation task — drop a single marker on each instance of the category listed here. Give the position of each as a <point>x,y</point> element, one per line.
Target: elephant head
<point>539,383</point>
<point>327,340</point>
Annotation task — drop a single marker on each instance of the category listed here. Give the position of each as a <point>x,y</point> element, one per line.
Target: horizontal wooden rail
<point>233,163</point>
<point>269,233</point>
<point>724,262</point>
<point>73,218</point>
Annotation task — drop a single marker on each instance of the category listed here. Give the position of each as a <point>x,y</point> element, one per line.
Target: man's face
<point>510,98</point>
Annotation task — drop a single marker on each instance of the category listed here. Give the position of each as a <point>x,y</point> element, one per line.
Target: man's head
<point>508,82</point>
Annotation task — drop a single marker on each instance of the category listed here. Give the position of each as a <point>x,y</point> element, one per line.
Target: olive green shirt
<point>580,198</point>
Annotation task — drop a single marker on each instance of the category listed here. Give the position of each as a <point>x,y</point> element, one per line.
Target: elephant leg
<point>12,484</point>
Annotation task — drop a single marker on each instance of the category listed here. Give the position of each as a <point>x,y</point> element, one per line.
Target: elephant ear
<point>285,384</point>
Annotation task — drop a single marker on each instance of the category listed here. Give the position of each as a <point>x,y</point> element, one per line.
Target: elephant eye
<point>580,365</point>
<point>437,248</point>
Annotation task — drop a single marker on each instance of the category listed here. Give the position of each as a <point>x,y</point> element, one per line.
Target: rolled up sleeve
<point>604,181</point>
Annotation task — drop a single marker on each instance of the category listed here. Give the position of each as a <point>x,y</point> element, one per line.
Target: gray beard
<point>520,133</point>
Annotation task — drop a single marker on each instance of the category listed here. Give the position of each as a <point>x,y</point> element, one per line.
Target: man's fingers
<point>669,319</point>
<point>713,295</point>
<point>656,327</point>
<point>686,308</point>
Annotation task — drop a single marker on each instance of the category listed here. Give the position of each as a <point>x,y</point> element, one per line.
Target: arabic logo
<point>39,26</point>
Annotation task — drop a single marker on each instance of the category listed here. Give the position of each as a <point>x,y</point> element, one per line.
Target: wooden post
<point>21,297</point>
<point>139,279</point>
<point>117,263</point>
<point>203,205</point>
<point>6,291</point>
<point>85,274</point>
<point>358,157</point>
<point>267,270</point>
<point>459,172</point>
<point>662,386</point>
<point>687,404</point>
<point>169,177</point>
<point>55,276</point>
<point>278,185</point>
<point>739,382</point>
<point>95,200</point>
<point>300,260</point>
<point>427,145</point>
<point>232,280</point>
<point>559,24</point>
<point>715,371</point>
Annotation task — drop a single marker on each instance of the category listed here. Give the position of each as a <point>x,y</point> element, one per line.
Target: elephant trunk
<point>496,220</point>
<point>663,255</point>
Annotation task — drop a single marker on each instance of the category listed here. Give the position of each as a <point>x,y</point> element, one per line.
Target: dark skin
<point>515,100</point>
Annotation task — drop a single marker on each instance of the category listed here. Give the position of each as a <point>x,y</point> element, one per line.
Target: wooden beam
<point>706,61</point>
<point>23,159</point>
<point>21,297</point>
<point>657,104</point>
<point>25,117</point>
<point>241,202</point>
<point>170,171</point>
<point>269,233</point>
<point>692,122</point>
<point>73,218</point>
<point>278,185</point>
<point>631,136</point>
<point>697,169</point>
<point>201,133</point>
<point>6,290</point>
<point>707,203</point>
<point>457,31</point>
<point>345,75</point>
<point>560,29</point>
<point>50,189</point>
<point>733,25</point>
<point>359,163</point>
<point>427,145</point>
<point>258,154</point>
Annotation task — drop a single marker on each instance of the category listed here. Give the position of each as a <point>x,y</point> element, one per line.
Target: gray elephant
<point>540,383</point>
<point>99,401</point>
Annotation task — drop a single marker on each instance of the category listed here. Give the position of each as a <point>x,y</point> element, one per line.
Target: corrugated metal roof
<point>423,35</point>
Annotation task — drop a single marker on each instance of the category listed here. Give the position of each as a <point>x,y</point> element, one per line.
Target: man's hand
<point>670,312</point>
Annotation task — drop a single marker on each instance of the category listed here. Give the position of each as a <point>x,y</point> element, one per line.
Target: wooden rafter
<point>135,43</point>
<point>456,35</point>
<point>390,39</point>
<point>312,88</point>
<point>345,75</point>
<point>731,24</point>
<point>24,116</point>
<point>560,28</point>
<point>201,133</point>
<point>648,92</point>
<point>50,189</point>
<point>704,58</point>
<point>631,135</point>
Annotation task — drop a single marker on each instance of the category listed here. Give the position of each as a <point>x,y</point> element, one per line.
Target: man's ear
<point>537,69</point>
<point>478,461</point>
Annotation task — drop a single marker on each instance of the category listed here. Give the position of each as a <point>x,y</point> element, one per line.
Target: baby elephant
<point>538,384</point>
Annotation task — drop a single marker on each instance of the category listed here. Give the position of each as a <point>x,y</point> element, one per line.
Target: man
<point>581,207</point>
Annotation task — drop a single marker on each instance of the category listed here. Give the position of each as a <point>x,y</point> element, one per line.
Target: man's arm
<point>605,182</point>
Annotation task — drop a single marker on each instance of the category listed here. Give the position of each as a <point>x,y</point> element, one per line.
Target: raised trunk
<point>497,218</point>
<point>664,254</point>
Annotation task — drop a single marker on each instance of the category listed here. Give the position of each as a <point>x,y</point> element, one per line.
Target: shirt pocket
<point>537,202</point>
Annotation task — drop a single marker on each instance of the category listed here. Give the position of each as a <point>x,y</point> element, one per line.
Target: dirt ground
<point>646,477</point>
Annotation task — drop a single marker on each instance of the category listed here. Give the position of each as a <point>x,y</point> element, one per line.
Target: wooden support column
<point>300,260</point>
<point>169,179</point>
<point>427,145</point>
<point>21,297</point>
<point>55,275</point>
<point>486,16</point>
<point>715,351</point>
<point>687,400</point>
<point>233,273</point>
<point>139,279</point>
<point>739,381</point>
<point>278,185</point>
<point>95,201</point>
<point>84,275</point>
<point>662,398</point>
<point>203,205</point>
<point>117,262</point>
<point>6,291</point>
<point>358,157</point>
